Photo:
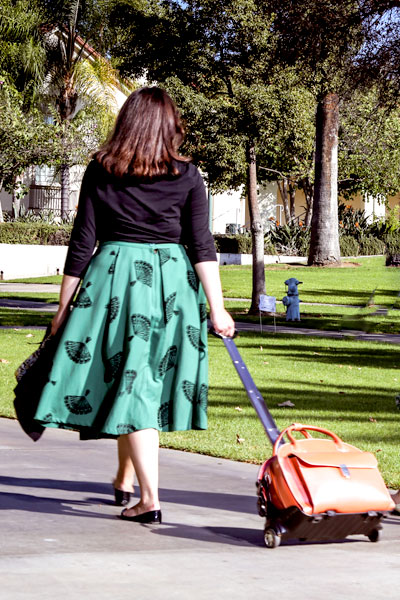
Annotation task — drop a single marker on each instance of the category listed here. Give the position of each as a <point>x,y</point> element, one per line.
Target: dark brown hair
<point>146,137</point>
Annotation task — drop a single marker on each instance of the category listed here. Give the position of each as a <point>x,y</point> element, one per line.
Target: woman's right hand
<point>222,322</point>
<point>58,320</point>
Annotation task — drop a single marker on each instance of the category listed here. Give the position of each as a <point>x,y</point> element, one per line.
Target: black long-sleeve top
<point>171,209</point>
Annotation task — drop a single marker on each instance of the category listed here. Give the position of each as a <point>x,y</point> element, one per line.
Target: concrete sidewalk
<point>60,536</point>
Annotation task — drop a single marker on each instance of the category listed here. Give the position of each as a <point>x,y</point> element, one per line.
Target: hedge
<point>35,233</point>
<point>233,244</point>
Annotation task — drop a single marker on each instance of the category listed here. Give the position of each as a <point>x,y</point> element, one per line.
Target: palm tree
<point>77,77</point>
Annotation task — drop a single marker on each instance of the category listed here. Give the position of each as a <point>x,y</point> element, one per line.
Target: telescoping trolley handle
<point>253,393</point>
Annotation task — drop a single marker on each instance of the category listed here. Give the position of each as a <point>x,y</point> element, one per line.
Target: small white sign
<point>267,303</point>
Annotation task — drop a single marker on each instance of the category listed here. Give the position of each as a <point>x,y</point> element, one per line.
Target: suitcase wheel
<point>374,535</point>
<point>262,509</point>
<point>271,538</point>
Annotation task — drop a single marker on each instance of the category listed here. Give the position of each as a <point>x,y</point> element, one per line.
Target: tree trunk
<point>324,244</point>
<point>257,233</point>
<point>308,189</point>
<point>292,197</point>
<point>283,190</point>
<point>65,191</point>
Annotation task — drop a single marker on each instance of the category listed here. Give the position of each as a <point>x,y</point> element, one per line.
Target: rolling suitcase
<point>313,488</point>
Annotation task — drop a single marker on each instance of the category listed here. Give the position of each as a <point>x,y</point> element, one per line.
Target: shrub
<point>352,222</point>
<point>233,244</point>
<point>370,245</point>
<point>269,248</point>
<point>35,233</point>
<point>292,240</point>
<point>393,249</point>
<point>348,245</point>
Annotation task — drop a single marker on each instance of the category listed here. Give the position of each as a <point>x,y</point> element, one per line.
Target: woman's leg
<point>143,450</point>
<point>126,473</point>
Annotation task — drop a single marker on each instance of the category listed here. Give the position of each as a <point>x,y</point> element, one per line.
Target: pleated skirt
<point>133,354</point>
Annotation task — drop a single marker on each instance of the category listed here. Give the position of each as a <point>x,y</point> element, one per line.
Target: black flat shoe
<point>121,498</point>
<point>152,516</point>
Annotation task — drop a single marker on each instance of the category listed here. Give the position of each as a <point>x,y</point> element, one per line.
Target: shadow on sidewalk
<point>202,499</point>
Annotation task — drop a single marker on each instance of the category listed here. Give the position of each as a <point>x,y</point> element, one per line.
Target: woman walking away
<point>132,359</point>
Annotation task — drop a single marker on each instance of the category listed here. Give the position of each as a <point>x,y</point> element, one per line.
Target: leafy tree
<point>215,50</point>
<point>327,42</point>
<point>22,54</point>
<point>369,147</point>
<point>25,139</point>
<point>77,77</point>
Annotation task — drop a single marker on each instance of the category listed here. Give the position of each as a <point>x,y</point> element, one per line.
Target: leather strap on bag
<point>303,429</point>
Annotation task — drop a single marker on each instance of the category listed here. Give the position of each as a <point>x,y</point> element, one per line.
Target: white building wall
<point>267,195</point>
<point>375,207</point>
<point>228,208</point>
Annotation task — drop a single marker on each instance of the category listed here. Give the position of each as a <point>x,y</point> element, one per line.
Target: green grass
<point>48,297</point>
<point>336,285</point>
<point>14,317</point>
<point>337,384</point>
<point>47,279</point>
<point>330,318</point>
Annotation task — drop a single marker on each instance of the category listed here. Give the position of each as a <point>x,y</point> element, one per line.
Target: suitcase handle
<point>304,430</point>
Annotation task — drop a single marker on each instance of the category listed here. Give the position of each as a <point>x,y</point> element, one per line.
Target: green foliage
<point>393,243</point>
<point>289,240</point>
<point>369,245</point>
<point>352,222</point>
<point>369,147</point>
<point>25,138</point>
<point>348,245</point>
<point>233,244</point>
<point>22,53</point>
<point>35,233</point>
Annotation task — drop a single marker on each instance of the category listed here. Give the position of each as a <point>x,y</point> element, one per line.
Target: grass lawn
<point>336,285</point>
<point>48,297</point>
<point>13,317</point>
<point>342,385</point>
<point>46,279</point>
<point>325,317</point>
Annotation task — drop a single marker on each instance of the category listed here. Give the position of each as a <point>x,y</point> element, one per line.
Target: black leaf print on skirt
<point>144,272</point>
<point>168,361</point>
<point>194,338</point>
<point>78,352</point>
<point>141,326</point>
<point>192,279</point>
<point>203,312</point>
<point>163,415</point>
<point>169,306</point>
<point>189,389</point>
<point>130,376</point>
<point>113,308</point>
<point>124,428</point>
<point>47,418</point>
<point>112,266</point>
<point>202,398</point>
<point>78,405</point>
<point>165,255</point>
<point>83,300</point>
<point>112,366</point>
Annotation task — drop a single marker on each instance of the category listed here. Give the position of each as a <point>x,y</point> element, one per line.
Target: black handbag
<point>32,375</point>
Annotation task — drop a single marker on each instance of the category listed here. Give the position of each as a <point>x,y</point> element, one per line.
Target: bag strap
<point>303,429</point>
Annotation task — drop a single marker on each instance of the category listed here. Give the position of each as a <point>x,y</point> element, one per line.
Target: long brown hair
<point>146,137</point>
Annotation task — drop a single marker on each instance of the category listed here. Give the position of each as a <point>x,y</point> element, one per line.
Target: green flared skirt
<point>133,354</point>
